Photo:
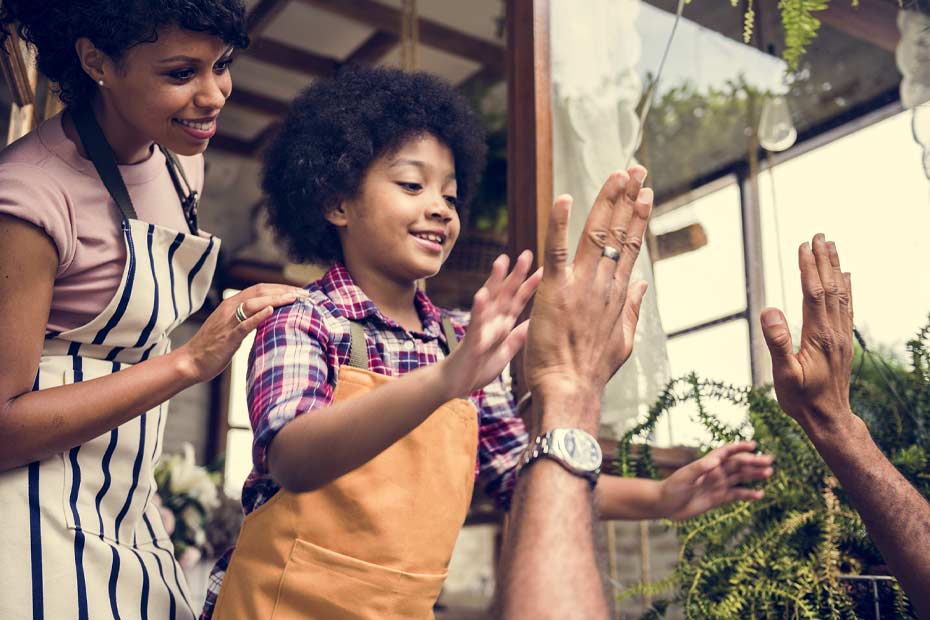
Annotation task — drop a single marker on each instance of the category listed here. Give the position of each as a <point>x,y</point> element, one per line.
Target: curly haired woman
<point>100,258</point>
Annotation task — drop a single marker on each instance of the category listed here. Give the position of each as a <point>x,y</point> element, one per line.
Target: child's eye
<point>223,65</point>
<point>182,75</point>
<point>410,187</point>
<point>453,201</point>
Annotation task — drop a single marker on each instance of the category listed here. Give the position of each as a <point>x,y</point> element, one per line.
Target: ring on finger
<point>611,252</point>
<point>240,312</point>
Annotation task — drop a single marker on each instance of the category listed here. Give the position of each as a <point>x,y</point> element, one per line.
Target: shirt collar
<point>355,305</point>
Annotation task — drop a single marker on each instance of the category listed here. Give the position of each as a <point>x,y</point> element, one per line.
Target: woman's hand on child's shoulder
<point>212,347</point>
<point>493,336</point>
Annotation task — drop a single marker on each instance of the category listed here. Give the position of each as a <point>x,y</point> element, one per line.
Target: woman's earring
<point>100,82</point>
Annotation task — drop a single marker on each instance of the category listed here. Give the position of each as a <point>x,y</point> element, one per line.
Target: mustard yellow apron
<point>375,543</point>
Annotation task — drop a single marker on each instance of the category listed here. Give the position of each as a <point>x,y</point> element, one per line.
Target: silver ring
<point>240,313</point>
<point>611,252</point>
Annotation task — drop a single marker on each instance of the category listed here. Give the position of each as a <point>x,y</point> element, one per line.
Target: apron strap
<point>358,351</point>
<point>101,154</point>
<point>358,348</point>
<point>183,188</point>
<point>448,330</point>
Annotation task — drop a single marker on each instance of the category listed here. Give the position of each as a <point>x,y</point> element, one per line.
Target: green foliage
<point>782,557</point>
<point>797,18</point>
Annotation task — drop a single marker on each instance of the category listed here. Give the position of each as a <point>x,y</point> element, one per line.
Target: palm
<point>714,480</point>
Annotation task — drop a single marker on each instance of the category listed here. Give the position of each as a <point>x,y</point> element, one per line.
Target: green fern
<point>782,557</point>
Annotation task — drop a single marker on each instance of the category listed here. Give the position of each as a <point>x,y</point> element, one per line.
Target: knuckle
<point>817,294</point>
<point>619,233</point>
<point>558,254</point>
<point>598,237</point>
<point>633,243</point>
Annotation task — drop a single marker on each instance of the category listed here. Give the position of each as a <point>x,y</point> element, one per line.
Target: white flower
<point>188,478</point>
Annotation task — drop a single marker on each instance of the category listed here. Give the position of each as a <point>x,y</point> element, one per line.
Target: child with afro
<point>373,410</point>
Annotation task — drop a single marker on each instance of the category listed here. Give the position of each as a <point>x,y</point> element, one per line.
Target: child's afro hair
<point>338,127</point>
<point>53,27</point>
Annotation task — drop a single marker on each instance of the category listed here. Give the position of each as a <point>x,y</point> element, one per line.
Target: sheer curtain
<point>595,90</point>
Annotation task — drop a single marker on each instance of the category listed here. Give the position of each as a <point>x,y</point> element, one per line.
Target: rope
<point>409,36</point>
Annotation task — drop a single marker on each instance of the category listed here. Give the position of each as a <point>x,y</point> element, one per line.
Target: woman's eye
<point>410,187</point>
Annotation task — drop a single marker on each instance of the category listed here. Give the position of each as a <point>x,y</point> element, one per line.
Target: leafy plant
<point>783,557</point>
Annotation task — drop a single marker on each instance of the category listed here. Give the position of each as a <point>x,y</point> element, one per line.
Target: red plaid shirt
<point>293,367</point>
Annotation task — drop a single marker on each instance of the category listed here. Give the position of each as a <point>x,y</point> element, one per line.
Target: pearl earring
<point>100,82</point>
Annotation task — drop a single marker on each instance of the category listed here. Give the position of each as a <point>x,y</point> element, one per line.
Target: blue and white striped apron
<point>79,534</point>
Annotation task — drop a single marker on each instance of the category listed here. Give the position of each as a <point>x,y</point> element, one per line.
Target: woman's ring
<point>611,252</point>
<point>240,313</point>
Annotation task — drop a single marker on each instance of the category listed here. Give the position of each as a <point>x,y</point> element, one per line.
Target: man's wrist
<point>835,429</point>
<point>565,408</point>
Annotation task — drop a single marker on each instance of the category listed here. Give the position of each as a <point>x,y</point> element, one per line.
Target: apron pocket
<point>319,584</point>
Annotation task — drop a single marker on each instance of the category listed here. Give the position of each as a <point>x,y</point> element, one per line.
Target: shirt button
<point>408,345</point>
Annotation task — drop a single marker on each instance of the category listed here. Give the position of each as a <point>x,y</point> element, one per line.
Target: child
<point>365,450</point>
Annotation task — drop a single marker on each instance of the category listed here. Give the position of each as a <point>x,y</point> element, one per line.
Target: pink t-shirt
<point>45,181</point>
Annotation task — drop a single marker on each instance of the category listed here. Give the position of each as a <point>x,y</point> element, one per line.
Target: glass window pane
<point>719,353</point>
<point>238,460</point>
<point>866,191</point>
<point>238,412</point>
<point>709,282</point>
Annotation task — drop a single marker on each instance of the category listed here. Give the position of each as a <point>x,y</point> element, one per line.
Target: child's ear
<point>337,215</point>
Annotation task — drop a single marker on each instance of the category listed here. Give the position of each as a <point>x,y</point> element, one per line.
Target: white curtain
<point>596,87</point>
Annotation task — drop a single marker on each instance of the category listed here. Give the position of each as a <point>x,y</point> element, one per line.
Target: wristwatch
<point>572,448</point>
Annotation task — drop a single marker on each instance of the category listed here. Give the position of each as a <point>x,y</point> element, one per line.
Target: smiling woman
<point>100,259</point>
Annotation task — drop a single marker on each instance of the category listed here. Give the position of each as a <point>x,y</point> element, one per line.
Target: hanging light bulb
<point>776,129</point>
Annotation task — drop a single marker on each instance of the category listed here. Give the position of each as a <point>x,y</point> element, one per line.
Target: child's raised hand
<point>714,480</point>
<point>493,337</point>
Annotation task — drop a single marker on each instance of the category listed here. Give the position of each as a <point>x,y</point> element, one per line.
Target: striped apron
<point>80,536</point>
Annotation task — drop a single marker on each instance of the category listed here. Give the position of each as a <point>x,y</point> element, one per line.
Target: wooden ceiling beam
<point>433,34</point>
<point>873,21</point>
<point>293,58</point>
<point>376,47</point>
<point>262,15</point>
<point>257,102</point>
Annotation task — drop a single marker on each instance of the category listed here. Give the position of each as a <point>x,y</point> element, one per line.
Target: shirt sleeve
<point>289,373</point>
<point>502,439</point>
<point>28,193</point>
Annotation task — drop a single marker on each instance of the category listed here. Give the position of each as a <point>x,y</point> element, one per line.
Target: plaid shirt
<point>293,367</point>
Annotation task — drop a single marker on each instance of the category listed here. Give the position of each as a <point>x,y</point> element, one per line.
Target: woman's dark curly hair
<point>338,127</point>
<point>54,26</point>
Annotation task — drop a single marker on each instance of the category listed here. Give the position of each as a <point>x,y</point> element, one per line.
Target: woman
<point>100,258</point>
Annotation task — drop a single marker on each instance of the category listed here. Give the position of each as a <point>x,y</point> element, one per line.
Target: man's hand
<point>585,313</point>
<point>812,385</point>
<point>714,480</point>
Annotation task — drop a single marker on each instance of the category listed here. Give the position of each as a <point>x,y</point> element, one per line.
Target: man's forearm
<point>895,514</point>
<point>548,563</point>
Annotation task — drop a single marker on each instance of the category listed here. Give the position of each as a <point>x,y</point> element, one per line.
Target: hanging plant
<point>798,20</point>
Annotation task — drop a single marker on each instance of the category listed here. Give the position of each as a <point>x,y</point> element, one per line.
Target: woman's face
<point>170,91</point>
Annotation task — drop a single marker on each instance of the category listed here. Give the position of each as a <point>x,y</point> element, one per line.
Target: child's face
<point>404,222</point>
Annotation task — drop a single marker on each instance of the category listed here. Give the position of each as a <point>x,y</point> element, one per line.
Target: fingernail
<point>771,317</point>
<point>302,292</point>
<point>639,174</point>
<point>645,196</point>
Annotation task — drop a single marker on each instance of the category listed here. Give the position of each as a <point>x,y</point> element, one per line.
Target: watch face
<point>581,450</point>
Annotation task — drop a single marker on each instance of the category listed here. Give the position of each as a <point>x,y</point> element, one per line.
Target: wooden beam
<point>432,33</point>
<point>293,58</point>
<point>376,47</point>
<point>256,102</point>
<point>529,125</point>
<point>262,15</point>
<point>873,21</point>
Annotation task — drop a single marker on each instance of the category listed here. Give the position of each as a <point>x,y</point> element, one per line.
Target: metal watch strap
<point>541,448</point>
